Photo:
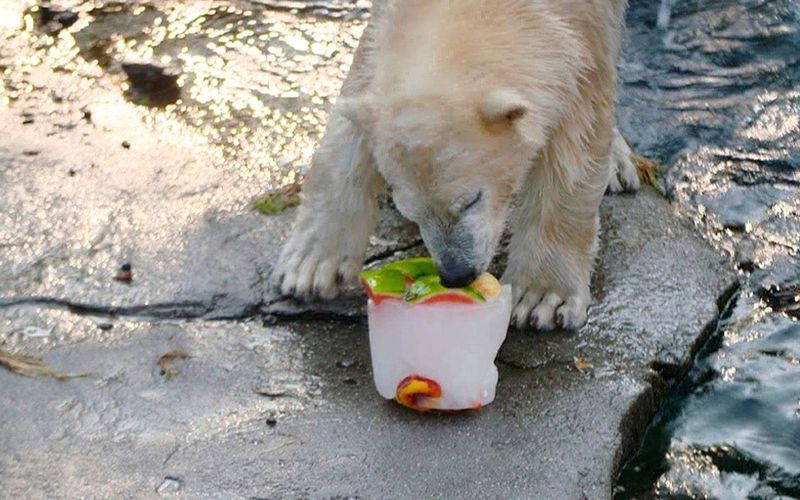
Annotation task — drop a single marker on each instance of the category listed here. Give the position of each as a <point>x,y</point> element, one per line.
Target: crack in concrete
<point>192,310</point>
<point>665,377</point>
<point>166,310</point>
<point>278,317</point>
<point>206,309</point>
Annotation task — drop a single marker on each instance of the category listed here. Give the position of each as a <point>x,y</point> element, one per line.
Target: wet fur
<point>511,98</point>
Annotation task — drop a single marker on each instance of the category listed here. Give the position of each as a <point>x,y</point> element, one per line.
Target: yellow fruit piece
<point>418,393</point>
<point>487,285</point>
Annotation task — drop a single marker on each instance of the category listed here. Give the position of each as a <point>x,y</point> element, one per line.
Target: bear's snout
<point>456,274</point>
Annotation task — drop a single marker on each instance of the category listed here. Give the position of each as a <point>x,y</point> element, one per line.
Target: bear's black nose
<point>457,275</point>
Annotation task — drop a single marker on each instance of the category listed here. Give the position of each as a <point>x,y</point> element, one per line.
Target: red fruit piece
<point>383,285</point>
<point>448,298</point>
<point>418,393</point>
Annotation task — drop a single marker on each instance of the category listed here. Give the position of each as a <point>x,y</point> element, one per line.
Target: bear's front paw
<point>624,175</point>
<point>314,265</point>
<point>541,309</point>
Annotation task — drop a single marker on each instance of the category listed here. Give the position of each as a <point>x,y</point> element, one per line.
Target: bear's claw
<point>624,177</point>
<point>545,312</point>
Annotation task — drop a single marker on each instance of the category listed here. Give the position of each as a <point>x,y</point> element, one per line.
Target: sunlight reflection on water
<point>255,83</point>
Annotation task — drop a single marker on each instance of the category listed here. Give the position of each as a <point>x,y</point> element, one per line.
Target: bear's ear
<point>359,110</point>
<point>503,107</point>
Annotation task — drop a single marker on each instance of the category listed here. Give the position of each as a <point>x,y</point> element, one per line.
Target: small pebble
<point>71,172</point>
<point>272,422</point>
<point>346,363</point>
<point>126,144</point>
<point>33,331</point>
<point>169,485</point>
<point>350,381</point>
<point>270,391</point>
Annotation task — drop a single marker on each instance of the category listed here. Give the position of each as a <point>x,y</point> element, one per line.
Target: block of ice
<point>452,345</point>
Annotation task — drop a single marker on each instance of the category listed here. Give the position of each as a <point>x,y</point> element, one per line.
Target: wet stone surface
<point>274,398</point>
<point>289,410</point>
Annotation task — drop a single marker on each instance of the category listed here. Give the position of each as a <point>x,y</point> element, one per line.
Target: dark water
<point>731,429</point>
<point>714,96</point>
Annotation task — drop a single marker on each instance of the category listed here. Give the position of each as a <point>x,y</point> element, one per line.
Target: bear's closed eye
<point>470,202</point>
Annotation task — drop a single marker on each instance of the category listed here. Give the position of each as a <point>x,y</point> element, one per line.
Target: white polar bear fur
<point>511,99</point>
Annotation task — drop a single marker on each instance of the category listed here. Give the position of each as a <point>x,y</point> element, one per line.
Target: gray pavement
<point>288,410</point>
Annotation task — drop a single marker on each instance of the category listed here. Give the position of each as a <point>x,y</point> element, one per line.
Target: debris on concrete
<point>30,366</point>
<point>169,486</point>
<point>279,201</point>
<point>346,363</point>
<point>166,363</point>
<point>125,274</point>
<point>36,332</point>
<point>270,390</point>
<point>583,366</point>
<point>648,171</point>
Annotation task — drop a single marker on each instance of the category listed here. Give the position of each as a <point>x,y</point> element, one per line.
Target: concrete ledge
<point>558,429</point>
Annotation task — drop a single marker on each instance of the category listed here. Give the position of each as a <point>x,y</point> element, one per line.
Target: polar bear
<point>477,116</point>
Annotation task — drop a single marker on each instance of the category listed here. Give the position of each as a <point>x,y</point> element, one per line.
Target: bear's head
<point>452,163</point>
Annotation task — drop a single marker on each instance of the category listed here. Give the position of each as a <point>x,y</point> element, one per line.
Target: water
<point>731,429</point>
<point>716,97</point>
<point>713,96</point>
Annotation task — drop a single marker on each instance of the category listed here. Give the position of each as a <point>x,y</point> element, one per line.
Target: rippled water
<point>714,96</point>
<point>731,429</point>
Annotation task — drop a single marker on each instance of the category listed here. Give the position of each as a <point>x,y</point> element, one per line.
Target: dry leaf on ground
<point>165,363</point>
<point>30,366</point>
<point>648,170</point>
<point>583,365</point>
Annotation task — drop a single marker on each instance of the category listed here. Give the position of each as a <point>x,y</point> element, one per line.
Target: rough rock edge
<point>664,378</point>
